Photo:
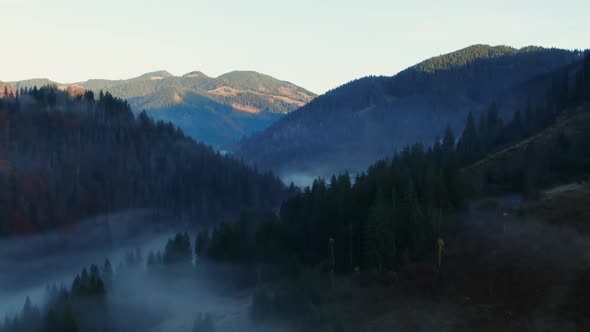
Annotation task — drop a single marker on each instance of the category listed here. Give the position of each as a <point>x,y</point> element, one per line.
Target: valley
<point>445,188</point>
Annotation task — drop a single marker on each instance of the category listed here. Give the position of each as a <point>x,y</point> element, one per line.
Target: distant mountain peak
<point>255,81</point>
<point>368,118</point>
<point>470,54</point>
<point>38,82</point>
<point>160,74</point>
<point>246,76</point>
<point>217,111</point>
<point>195,74</point>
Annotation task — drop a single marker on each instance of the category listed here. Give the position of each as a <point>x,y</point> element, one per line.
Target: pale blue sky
<point>319,44</point>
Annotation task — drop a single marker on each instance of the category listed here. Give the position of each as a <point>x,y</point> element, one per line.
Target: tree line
<point>67,157</point>
<point>567,93</point>
<point>81,307</point>
<point>567,87</point>
<point>394,212</point>
<point>85,306</point>
<point>390,215</point>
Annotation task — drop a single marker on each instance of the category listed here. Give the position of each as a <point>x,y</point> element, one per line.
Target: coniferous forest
<point>65,158</point>
<point>434,235</point>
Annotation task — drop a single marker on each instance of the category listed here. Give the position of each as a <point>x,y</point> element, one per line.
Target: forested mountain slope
<point>546,146</point>
<point>217,111</point>
<point>64,158</point>
<point>369,118</point>
<point>558,154</point>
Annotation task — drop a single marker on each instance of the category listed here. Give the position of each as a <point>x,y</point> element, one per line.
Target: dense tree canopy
<point>366,119</point>
<point>492,133</point>
<point>64,158</point>
<point>387,216</point>
<point>82,307</point>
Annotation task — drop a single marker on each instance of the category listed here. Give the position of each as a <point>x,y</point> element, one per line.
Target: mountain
<point>558,154</point>
<point>547,146</point>
<point>217,111</point>
<point>369,118</point>
<point>66,158</point>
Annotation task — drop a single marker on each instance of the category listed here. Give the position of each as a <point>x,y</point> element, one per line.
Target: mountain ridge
<point>217,111</point>
<point>369,118</point>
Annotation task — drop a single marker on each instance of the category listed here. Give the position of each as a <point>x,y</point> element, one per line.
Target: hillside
<point>558,154</point>
<point>66,158</point>
<point>216,111</point>
<point>369,118</point>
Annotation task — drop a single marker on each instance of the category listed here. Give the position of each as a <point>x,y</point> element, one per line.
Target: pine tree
<point>448,140</point>
<point>493,118</point>
<point>468,146</point>
<point>30,316</point>
<point>52,322</point>
<point>107,273</point>
<point>380,239</point>
<point>178,250</point>
<point>70,324</point>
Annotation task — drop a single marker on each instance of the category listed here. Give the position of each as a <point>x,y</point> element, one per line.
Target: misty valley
<point>452,196</point>
<point>63,293</point>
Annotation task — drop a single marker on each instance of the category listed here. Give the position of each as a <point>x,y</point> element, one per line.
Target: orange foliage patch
<point>177,98</point>
<point>75,90</point>
<point>245,108</point>
<point>5,87</point>
<point>225,91</point>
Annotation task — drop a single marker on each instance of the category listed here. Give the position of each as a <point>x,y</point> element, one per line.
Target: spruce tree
<point>448,140</point>
<point>107,273</point>
<point>468,146</point>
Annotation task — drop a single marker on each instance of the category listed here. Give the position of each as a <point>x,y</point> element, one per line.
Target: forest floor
<point>512,267</point>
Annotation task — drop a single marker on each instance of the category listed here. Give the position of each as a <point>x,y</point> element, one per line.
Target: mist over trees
<point>64,158</point>
<point>96,299</point>
<point>394,212</point>
<point>81,307</point>
<point>68,157</point>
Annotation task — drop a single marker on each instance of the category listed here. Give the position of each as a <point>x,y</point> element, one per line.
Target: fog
<point>140,299</point>
<point>175,302</point>
<point>304,179</point>
<point>168,301</point>
<point>301,180</point>
<point>28,264</point>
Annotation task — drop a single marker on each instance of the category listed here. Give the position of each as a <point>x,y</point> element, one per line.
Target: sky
<point>317,44</point>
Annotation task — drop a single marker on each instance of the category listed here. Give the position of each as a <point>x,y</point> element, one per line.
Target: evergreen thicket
<point>367,119</point>
<point>568,87</point>
<point>82,307</point>
<point>385,217</point>
<point>393,214</point>
<point>64,158</point>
